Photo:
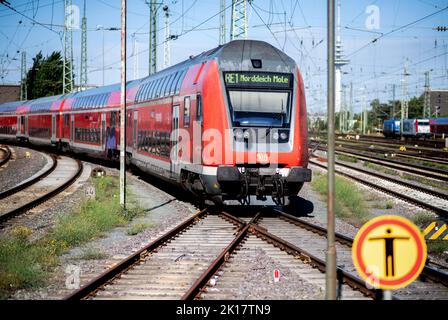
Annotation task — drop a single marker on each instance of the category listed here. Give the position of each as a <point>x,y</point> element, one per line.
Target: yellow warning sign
<point>389,252</point>
<point>436,231</point>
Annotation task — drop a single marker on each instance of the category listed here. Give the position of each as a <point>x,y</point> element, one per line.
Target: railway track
<point>439,157</point>
<point>424,171</point>
<point>434,201</point>
<point>6,151</point>
<point>207,256</point>
<point>299,232</point>
<point>181,263</point>
<point>40,188</point>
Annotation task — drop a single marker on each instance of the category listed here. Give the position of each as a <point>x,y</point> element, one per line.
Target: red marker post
<point>276,275</point>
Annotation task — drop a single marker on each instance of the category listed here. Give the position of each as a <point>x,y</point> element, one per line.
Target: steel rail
<point>343,276</point>
<point>435,193</point>
<point>428,272</point>
<point>422,204</point>
<point>107,276</point>
<point>421,153</point>
<point>439,157</point>
<point>432,172</point>
<point>8,155</point>
<point>43,198</point>
<point>30,182</point>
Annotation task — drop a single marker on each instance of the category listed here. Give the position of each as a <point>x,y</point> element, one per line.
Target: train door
<point>135,130</point>
<point>103,130</point>
<point>53,127</point>
<point>26,126</point>
<point>72,128</point>
<point>19,126</point>
<point>175,139</point>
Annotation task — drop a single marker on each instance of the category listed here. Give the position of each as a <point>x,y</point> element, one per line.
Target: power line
<point>397,29</point>
<point>29,18</point>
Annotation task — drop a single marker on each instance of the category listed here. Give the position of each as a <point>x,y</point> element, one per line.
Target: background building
<point>439,100</point>
<point>9,92</point>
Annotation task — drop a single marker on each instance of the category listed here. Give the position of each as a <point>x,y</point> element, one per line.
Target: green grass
<point>26,264</point>
<point>423,219</point>
<point>426,181</point>
<point>23,264</point>
<point>375,167</point>
<point>347,158</point>
<point>389,204</point>
<point>426,163</point>
<point>437,246</point>
<point>350,204</point>
<point>91,253</point>
<point>137,228</point>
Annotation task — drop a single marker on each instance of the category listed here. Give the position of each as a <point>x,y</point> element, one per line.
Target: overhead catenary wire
<point>395,30</point>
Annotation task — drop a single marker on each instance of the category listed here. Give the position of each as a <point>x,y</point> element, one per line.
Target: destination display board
<point>258,80</point>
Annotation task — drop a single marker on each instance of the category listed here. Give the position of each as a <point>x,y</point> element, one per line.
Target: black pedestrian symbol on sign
<point>389,250</point>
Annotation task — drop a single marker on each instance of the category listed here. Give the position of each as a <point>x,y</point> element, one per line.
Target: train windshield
<point>260,108</point>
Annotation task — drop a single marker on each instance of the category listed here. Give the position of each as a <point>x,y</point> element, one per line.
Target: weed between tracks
<point>350,204</point>
<point>347,158</point>
<point>25,264</point>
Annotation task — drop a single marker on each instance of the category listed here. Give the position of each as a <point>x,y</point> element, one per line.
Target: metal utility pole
<point>330,267</point>
<point>344,109</point>
<point>392,116</point>
<point>152,36</point>
<point>222,22</point>
<point>100,27</point>
<point>339,62</point>
<point>427,102</point>
<point>404,99</point>
<point>23,87</point>
<point>83,73</point>
<point>166,44</point>
<point>350,111</point>
<point>239,25</point>
<point>67,80</point>
<point>135,54</point>
<point>123,108</point>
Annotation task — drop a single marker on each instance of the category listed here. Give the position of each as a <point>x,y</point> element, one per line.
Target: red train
<point>228,124</point>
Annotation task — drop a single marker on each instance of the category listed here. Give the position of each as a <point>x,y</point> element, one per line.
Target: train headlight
<point>246,134</point>
<point>283,136</point>
<point>275,136</point>
<point>239,134</point>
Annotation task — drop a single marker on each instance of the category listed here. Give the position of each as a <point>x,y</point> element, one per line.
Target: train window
<point>168,84</point>
<point>148,90</point>
<point>199,108</point>
<point>179,82</point>
<point>187,112</point>
<point>162,87</point>
<point>144,92</point>
<point>153,89</point>
<point>174,82</point>
<point>66,119</point>
<point>156,89</point>
<point>159,88</point>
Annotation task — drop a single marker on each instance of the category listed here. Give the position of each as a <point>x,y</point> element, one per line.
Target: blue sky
<point>373,68</point>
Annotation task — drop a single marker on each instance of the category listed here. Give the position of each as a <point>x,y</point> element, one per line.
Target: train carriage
<point>439,126</point>
<point>9,120</point>
<point>416,128</point>
<point>228,124</point>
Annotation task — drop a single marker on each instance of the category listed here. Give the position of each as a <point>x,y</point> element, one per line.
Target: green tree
<point>45,76</point>
<point>415,107</point>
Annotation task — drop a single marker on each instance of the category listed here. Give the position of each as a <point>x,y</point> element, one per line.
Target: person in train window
<point>107,142</point>
<point>112,143</point>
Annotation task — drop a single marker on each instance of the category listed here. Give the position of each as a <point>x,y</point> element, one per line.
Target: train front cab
<point>261,115</point>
